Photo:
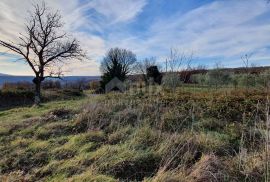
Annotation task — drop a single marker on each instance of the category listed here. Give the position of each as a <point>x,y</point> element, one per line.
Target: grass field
<point>187,135</point>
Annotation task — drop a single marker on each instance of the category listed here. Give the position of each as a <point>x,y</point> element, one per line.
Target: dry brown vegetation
<point>183,136</point>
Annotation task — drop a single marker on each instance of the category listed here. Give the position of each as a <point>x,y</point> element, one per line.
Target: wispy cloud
<point>219,30</point>
<point>225,29</point>
<point>10,65</point>
<point>118,10</point>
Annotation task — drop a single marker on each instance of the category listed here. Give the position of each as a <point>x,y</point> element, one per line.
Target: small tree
<point>246,78</point>
<point>44,46</point>
<point>153,72</point>
<point>117,63</point>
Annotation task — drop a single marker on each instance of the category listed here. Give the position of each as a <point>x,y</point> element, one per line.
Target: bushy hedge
<point>9,99</point>
<point>15,98</point>
<point>219,78</point>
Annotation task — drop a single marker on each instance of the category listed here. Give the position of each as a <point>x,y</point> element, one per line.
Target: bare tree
<point>175,60</point>
<point>246,62</point>
<point>44,46</point>
<point>186,70</point>
<point>177,66</point>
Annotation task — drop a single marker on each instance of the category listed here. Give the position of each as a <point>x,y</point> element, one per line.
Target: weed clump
<point>209,168</point>
<point>124,163</point>
<point>52,130</point>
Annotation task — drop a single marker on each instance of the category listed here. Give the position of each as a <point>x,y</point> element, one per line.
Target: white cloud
<point>118,10</point>
<point>225,29</point>
<point>9,65</point>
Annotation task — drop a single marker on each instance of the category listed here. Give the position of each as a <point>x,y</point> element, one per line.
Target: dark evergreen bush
<point>153,72</point>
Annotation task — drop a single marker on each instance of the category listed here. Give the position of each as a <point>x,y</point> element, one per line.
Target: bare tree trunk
<point>37,91</point>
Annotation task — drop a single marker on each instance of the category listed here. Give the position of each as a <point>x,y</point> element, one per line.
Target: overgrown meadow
<point>156,134</point>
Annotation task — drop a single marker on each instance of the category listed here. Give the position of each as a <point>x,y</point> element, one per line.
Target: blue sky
<point>213,30</point>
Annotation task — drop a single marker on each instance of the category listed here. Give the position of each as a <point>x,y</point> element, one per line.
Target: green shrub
<point>199,79</point>
<point>218,77</point>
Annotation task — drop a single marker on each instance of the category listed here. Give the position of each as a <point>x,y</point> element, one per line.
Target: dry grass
<point>185,136</point>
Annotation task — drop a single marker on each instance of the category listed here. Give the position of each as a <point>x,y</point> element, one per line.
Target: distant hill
<point>1,74</point>
<point>68,79</point>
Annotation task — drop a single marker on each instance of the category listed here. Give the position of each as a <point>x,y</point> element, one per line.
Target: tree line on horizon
<point>45,48</point>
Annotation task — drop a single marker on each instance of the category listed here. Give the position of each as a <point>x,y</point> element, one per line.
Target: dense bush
<point>153,72</point>
<point>217,77</point>
<point>15,98</point>
<point>199,79</point>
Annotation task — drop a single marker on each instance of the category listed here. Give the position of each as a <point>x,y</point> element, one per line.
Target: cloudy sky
<point>214,30</point>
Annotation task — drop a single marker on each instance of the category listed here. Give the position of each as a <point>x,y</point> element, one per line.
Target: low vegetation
<point>199,135</point>
<point>18,98</point>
